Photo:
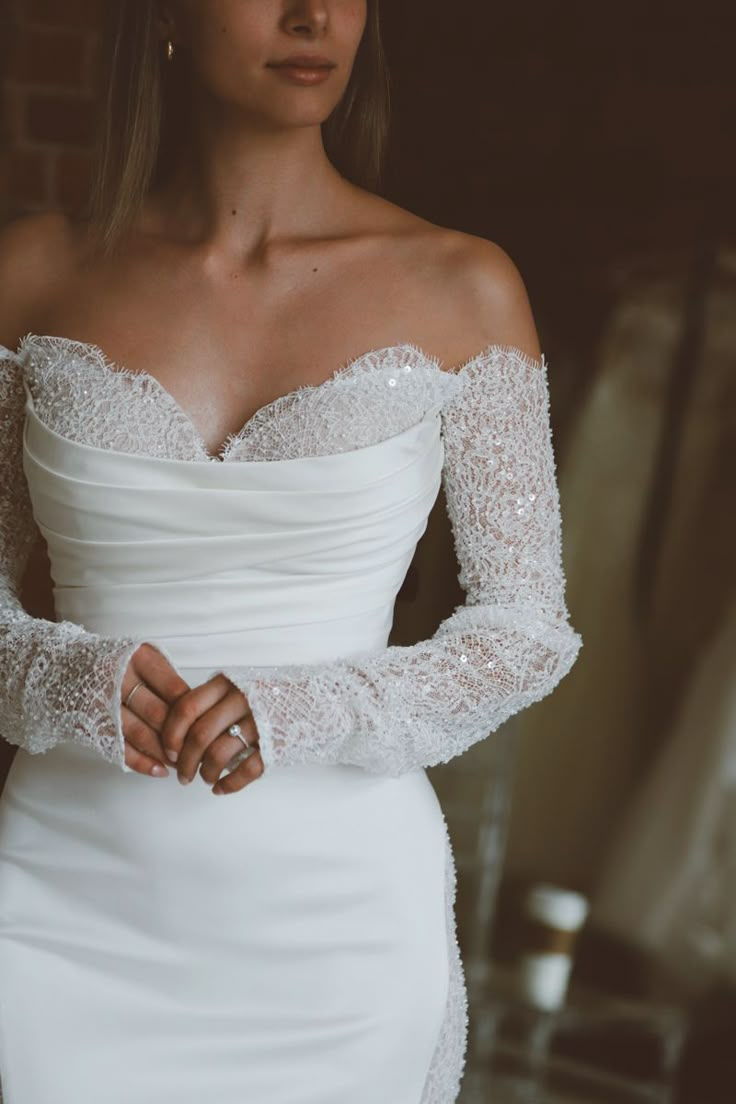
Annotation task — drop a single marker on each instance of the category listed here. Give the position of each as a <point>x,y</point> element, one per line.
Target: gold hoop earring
<point>169,49</point>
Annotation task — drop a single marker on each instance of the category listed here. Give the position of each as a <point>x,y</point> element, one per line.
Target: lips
<point>301,61</point>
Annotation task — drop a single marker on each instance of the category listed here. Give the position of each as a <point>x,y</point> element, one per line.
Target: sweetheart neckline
<point>100,357</point>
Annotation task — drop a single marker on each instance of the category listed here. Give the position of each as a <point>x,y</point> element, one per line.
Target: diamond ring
<point>236,730</point>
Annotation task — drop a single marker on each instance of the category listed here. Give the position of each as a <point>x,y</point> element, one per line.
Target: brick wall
<point>49,50</point>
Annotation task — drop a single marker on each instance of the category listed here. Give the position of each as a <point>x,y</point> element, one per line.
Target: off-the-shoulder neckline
<point>95,353</point>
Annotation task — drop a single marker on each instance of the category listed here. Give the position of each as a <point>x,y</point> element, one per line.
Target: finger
<point>143,764</point>
<point>207,728</point>
<point>221,751</point>
<point>185,712</point>
<point>136,688</point>
<point>142,738</point>
<point>245,772</point>
<point>153,667</point>
<point>149,707</point>
<point>131,679</point>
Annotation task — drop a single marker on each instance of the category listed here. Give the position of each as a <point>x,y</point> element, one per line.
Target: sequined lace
<point>403,708</point>
<point>87,397</point>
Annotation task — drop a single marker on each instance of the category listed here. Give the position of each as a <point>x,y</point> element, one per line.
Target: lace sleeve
<point>58,682</point>
<point>505,648</point>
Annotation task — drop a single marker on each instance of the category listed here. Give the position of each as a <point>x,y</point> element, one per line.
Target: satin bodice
<point>254,562</point>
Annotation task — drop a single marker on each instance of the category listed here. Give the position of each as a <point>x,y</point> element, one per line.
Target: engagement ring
<point>236,730</point>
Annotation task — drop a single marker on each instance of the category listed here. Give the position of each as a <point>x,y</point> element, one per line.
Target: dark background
<point>579,136</point>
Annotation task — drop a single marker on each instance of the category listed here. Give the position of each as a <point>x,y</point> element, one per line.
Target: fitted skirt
<point>287,944</point>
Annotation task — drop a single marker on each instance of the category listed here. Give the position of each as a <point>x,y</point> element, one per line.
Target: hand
<point>143,720</point>
<point>194,737</point>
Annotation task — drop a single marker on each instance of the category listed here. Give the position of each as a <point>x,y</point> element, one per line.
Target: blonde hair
<point>142,122</point>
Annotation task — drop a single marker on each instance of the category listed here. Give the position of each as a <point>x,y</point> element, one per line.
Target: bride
<point>229,395</point>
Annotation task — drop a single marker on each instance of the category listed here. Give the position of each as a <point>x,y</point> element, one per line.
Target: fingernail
<point>184,781</point>
<point>172,756</point>
<point>159,771</point>
<point>217,790</point>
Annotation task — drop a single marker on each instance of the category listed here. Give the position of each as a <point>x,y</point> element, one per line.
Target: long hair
<point>143,117</point>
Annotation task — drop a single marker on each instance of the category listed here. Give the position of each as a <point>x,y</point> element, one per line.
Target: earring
<point>169,49</point>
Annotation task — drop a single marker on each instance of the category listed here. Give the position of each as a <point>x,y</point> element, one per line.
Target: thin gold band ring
<point>132,692</point>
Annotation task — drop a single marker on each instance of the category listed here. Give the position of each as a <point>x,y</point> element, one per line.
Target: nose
<point>308,16</point>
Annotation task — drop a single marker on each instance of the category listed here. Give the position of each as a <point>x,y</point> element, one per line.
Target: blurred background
<point>595,143</point>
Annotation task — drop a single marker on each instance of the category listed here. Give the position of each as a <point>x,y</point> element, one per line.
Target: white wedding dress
<point>293,943</point>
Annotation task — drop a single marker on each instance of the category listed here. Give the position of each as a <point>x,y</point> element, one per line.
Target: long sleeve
<point>506,647</point>
<point>58,682</point>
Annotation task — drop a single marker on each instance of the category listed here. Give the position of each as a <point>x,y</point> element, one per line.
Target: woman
<point>228,525</point>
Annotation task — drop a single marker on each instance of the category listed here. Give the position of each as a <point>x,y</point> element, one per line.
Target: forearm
<point>60,683</point>
<point>409,707</point>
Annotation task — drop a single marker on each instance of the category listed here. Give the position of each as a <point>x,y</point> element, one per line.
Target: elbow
<point>564,647</point>
<point>517,654</point>
<point>550,649</point>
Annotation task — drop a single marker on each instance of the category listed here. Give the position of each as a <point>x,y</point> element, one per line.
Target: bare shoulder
<point>484,296</point>
<point>475,293</point>
<point>36,252</point>
<point>467,292</point>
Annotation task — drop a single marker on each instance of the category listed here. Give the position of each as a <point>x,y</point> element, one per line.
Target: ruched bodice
<point>240,563</point>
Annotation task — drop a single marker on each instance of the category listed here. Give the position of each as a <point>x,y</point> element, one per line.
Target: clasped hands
<point>170,722</point>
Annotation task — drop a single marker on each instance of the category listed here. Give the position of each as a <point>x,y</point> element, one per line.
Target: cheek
<point>230,71</point>
<point>230,42</point>
<point>350,25</point>
<point>354,15</point>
